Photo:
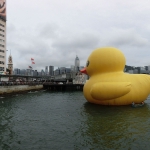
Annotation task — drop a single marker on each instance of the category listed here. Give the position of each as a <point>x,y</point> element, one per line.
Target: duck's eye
<point>87,64</point>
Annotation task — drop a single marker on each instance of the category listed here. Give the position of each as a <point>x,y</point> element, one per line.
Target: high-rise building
<point>77,64</point>
<point>35,73</point>
<point>51,70</point>
<point>28,72</point>
<point>57,72</point>
<point>62,70</point>
<point>16,71</point>
<point>23,72</point>
<point>72,68</point>
<point>68,70</point>
<point>42,72</point>
<point>3,36</point>
<point>46,70</point>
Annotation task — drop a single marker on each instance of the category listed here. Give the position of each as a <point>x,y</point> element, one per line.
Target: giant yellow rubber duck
<point>108,84</point>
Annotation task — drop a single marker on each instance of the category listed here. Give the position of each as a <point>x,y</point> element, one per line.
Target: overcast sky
<point>53,32</point>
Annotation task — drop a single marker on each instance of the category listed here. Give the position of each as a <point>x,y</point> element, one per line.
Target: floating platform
<point>63,87</point>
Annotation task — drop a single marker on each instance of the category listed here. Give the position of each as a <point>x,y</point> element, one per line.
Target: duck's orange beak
<point>83,71</point>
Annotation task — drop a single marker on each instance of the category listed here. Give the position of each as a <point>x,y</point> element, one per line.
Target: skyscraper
<point>3,35</point>
<point>72,68</point>
<point>51,70</point>
<point>77,64</point>
<point>46,70</point>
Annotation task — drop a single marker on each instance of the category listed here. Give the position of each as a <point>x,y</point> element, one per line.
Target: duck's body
<point>117,88</point>
<point>109,85</point>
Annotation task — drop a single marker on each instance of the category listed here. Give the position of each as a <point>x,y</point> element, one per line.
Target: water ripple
<point>61,121</point>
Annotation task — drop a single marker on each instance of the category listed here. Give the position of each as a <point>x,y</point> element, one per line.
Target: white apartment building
<point>3,35</point>
<point>2,45</point>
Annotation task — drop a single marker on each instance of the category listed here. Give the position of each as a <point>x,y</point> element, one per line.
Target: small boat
<point>137,105</point>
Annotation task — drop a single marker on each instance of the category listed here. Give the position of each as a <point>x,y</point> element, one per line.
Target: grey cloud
<point>127,37</point>
<point>80,41</point>
<point>48,31</point>
<point>55,34</point>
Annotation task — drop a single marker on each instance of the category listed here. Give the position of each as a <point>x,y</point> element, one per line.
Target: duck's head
<point>103,60</point>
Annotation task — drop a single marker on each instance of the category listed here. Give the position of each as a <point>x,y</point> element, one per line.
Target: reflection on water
<point>49,120</point>
<point>118,127</point>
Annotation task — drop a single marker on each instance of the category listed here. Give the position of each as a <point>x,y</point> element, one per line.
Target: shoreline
<point>16,93</point>
<point>19,89</point>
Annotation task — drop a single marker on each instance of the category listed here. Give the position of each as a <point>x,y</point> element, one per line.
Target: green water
<point>65,121</point>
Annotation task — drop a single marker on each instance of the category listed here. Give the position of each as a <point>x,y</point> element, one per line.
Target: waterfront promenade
<point>17,87</point>
<point>19,84</point>
<point>7,90</point>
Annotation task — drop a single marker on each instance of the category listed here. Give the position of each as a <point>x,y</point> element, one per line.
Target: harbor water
<point>47,120</point>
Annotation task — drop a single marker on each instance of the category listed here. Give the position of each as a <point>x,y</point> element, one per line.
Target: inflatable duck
<point>108,84</point>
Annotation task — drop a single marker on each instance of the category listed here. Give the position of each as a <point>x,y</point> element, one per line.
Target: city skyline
<point>53,32</point>
<point>52,70</point>
<point>47,70</point>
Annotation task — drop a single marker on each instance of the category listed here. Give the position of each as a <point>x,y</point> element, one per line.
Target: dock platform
<point>63,87</point>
